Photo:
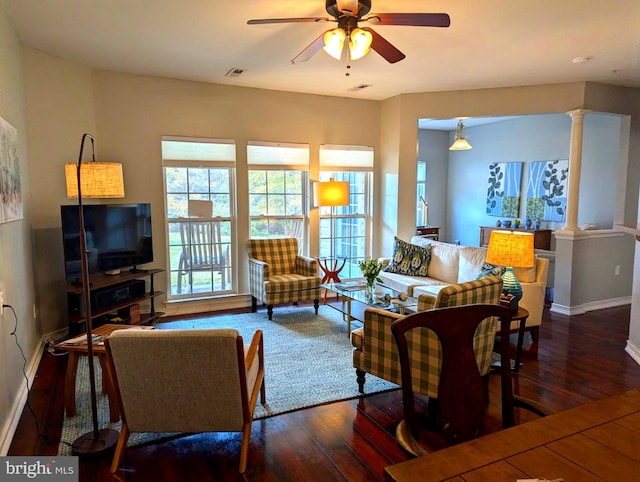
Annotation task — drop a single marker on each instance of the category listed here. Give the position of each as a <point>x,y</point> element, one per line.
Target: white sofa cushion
<point>470,263</point>
<point>406,284</point>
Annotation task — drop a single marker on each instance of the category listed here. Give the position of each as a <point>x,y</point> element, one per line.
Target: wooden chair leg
<point>120,448</point>
<point>270,312</point>
<point>316,304</point>
<point>244,447</point>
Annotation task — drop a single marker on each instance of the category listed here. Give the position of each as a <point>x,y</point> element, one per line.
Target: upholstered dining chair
<point>202,249</point>
<point>460,401</point>
<point>278,274</point>
<point>187,381</point>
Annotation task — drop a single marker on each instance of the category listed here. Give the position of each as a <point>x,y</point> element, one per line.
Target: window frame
<point>182,160</point>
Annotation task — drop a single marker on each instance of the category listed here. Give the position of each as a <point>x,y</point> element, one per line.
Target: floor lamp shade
<point>97,180</point>
<point>511,249</point>
<point>331,193</point>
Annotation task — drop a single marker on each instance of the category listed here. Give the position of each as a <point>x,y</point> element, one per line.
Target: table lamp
<point>330,194</point>
<point>92,180</point>
<point>511,249</point>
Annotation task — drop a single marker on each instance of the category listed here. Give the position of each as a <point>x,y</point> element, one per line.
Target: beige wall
<point>129,114</point>
<point>59,110</point>
<point>16,266</point>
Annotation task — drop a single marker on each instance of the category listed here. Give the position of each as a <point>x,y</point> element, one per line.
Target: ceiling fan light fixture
<point>359,43</point>
<point>459,142</point>
<point>334,42</point>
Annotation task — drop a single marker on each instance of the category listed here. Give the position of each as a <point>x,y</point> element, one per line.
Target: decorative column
<point>575,161</point>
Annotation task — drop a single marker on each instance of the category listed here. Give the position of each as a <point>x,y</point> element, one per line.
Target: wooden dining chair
<point>462,393</point>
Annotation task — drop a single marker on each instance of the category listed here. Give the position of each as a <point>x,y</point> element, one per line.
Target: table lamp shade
<point>511,249</point>
<point>331,193</point>
<point>98,180</point>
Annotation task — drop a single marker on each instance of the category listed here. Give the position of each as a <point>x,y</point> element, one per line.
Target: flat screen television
<point>118,236</point>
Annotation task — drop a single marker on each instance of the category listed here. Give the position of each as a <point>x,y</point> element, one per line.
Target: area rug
<point>308,362</point>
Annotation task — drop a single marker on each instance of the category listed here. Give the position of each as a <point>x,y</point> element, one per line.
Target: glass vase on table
<point>370,289</point>
<point>370,270</point>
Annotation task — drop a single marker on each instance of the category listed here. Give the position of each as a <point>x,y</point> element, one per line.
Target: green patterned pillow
<point>489,269</point>
<point>409,259</point>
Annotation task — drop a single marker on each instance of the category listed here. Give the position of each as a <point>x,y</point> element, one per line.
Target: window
<point>421,194</point>
<point>278,176</point>
<point>199,181</point>
<point>345,230</point>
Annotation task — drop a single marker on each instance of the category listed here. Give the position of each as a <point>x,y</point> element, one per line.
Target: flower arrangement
<point>370,270</point>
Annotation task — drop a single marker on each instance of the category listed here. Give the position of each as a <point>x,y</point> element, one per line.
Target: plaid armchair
<point>375,350</point>
<point>277,274</point>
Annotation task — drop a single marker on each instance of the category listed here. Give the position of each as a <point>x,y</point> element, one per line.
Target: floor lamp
<point>330,194</point>
<point>92,180</point>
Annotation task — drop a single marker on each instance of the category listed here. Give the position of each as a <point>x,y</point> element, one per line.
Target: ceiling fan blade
<point>261,21</point>
<point>384,48</point>
<point>311,49</point>
<point>411,19</point>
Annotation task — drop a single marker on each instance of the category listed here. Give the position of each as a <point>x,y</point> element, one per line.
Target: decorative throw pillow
<point>489,269</point>
<point>409,259</point>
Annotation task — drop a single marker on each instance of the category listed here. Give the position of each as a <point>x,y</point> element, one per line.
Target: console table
<point>432,232</point>
<point>541,237</point>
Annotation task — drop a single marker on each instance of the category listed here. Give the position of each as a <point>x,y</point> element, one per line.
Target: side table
<point>330,272</point>
<point>76,347</point>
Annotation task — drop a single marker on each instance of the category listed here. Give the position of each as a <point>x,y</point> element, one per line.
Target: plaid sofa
<point>277,274</point>
<point>375,350</point>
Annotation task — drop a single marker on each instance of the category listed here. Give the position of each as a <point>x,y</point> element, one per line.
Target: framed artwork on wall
<point>10,189</point>
<point>547,190</point>
<point>503,191</point>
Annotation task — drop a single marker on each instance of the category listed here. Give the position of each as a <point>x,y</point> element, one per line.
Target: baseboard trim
<point>592,306</point>
<point>633,351</point>
<point>11,424</point>
<point>221,303</point>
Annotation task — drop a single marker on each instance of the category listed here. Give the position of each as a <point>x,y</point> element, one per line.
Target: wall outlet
<point>617,270</point>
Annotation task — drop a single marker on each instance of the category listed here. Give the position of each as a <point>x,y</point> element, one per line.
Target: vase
<point>370,290</point>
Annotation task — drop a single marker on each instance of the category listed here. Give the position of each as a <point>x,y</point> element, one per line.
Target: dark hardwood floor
<point>581,358</point>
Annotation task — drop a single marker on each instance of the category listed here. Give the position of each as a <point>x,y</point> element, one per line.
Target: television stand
<point>125,308</point>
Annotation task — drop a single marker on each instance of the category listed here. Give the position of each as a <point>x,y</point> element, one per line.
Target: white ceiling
<point>490,43</point>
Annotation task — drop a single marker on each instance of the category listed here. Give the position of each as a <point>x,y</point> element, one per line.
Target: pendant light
<point>459,141</point>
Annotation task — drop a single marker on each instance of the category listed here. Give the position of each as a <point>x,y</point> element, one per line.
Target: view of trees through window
<point>276,204</point>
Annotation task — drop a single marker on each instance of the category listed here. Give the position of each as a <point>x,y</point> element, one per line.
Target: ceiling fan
<point>348,13</point>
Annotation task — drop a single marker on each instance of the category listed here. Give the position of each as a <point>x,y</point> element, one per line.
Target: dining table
<point>597,441</point>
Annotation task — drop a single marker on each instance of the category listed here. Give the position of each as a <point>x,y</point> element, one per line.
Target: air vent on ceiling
<point>359,87</point>
<point>234,72</point>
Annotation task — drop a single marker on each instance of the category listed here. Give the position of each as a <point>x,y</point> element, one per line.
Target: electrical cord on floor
<point>24,369</point>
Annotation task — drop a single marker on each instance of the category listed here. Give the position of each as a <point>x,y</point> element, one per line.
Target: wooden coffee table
<point>76,347</point>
